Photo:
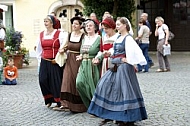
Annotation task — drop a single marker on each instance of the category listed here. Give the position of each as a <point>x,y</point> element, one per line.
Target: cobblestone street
<point>166,95</point>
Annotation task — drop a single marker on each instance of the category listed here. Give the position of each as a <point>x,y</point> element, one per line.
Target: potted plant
<point>13,48</point>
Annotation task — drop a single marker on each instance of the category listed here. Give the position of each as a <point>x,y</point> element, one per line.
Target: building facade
<point>28,16</point>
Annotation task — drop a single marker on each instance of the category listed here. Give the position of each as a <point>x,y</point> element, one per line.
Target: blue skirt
<point>118,96</point>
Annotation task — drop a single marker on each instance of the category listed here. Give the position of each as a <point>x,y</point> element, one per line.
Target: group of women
<point>98,75</point>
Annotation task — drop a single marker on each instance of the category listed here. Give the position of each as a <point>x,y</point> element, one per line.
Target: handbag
<point>166,49</point>
<point>171,36</point>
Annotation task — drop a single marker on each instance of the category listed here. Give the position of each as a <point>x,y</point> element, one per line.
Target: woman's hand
<point>166,42</point>
<point>79,57</point>
<point>95,61</point>
<point>61,50</point>
<point>156,25</point>
<point>107,53</point>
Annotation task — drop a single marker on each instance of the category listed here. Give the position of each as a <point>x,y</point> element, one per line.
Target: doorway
<point>65,13</point>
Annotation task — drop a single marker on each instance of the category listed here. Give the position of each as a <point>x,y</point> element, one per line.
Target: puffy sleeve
<point>100,53</point>
<point>134,54</point>
<point>38,49</point>
<point>2,34</point>
<point>63,38</point>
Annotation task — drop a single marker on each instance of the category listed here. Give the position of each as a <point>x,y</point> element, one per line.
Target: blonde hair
<point>159,19</point>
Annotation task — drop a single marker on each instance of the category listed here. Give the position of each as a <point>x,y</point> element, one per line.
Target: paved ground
<point>167,99</point>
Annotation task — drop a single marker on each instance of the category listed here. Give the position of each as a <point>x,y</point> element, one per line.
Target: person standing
<point>162,31</point>
<point>143,38</point>
<point>105,15</point>
<point>108,25</point>
<point>70,98</point>
<point>118,95</point>
<point>88,74</point>
<point>48,45</point>
<point>145,17</point>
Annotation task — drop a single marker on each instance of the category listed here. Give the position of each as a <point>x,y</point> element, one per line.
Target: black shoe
<point>151,65</point>
<point>130,123</point>
<point>120,123</point>
<point>139,71</point>
<point>144,71</point>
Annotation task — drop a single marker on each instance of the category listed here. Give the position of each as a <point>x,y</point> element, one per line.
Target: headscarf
<point>55,21</point>
<point>110,22</point>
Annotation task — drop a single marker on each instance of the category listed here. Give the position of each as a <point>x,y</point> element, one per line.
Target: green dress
<point>88,74</point>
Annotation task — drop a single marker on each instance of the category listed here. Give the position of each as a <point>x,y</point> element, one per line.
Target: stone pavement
<point>166,95</point>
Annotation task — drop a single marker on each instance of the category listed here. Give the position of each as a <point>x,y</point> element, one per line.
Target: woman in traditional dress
<point>70,99</point>
<point>89,73</point>
<point>48,45</point>
<point>162,31</point>
<point>118,95</point>
<point>108,25</point>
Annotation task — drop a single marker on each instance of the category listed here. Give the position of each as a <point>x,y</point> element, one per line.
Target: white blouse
<point>90,41</point>
<point>161,33</point>
<point>2,34</point>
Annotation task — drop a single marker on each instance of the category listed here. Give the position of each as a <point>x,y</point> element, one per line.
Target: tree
<point>118,8</point>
